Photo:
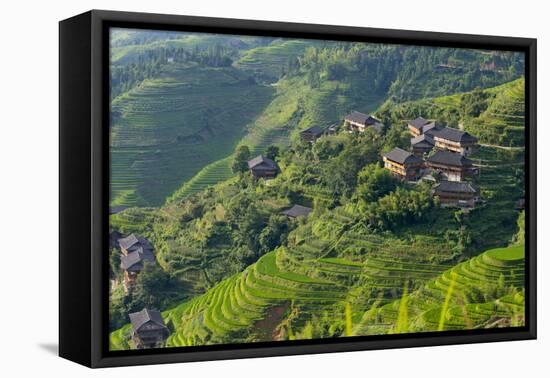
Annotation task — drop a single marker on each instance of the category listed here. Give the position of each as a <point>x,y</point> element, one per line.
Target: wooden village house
<point>148,329</point>
<point>356,121</point>
<point>456,193</point>
<point>132,243</point>
<point>403,164</point>
<point>262,167</point>
<point>415,126</point>
<point>454,140</point>
<point>297,211</point>
<point>451,165</point>
<point>420,126</point>
<point>312,134</point>
<point>134,252</point>
<point>422,144</point>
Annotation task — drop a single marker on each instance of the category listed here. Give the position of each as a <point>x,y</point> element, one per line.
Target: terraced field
<point>268,62</point>
<point>174,136</point>
<point>295,107</point>
<point>126,50</point>
<point>304,278</point>
<point>295,280</point>
<point>210,175</point>
<point>484,291</point>
<point>503,122</point>
<point>166,129</point>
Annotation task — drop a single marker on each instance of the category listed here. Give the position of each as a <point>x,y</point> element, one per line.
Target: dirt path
<point>266,328</point>
<point>502,147</point>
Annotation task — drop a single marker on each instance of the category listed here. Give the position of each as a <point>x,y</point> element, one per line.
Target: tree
<point>272,152</point>
<point>398,208</point>
<point>474,103</point>
<point>396,137</point>
<point>325,148</point>
<point>240,160</point>
<point>274,234</point>
<point>519,238</point>
<point>114,262</point>
<point>374,182</point>
<point>340,174</point>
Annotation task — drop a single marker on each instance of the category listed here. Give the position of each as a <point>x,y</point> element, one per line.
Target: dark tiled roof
<point>455,187</point>
<point>117,209</point>
<point>145,253</point>
<point>261,160</point>
<point>314,130</point>
<point>297,211</point>
<point>361,118</point>
<point>422,140</point>
<point>454,135</point>
<point>449,158</point>
<point>132,261</point>
<point>138,319</point>
<point>128,241</point>
<point>401,156</point>
<point>133,243</point>
<point>432,127</point>
<point>418,123</point>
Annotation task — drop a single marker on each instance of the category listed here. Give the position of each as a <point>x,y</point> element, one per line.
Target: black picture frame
<point>84,180</point>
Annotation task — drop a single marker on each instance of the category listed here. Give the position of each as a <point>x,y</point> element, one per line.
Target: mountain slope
<point>296,106</point>
<point>167,129</point>
<point>203,241</point>
<point>495,115</point>
<point>486,291</point>
<point>235,310</point>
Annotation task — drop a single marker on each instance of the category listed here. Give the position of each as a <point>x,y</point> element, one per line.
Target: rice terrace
<point>272,189</point>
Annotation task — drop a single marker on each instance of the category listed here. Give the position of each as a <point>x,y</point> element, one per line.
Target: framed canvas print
<point>233,188</point>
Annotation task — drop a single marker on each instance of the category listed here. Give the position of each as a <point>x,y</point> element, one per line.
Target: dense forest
<point>376,255</point>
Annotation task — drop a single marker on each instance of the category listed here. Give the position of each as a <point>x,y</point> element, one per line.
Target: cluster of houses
<point>437,150</point>
<point>134,252</point>
<point>148,327</point>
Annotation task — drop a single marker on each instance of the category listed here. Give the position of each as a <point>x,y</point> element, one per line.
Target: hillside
<point>129,46</point>
<point>296,106</point>
<point>376,254</point>
<point>158,121</point>
<point>236,310</point>
<point>167,129</point>
<point>486,291</point>
<point>336,249</point>
<point>269,62</point>
<point>496,115</point>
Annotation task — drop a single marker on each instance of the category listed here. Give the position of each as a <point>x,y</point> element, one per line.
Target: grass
<point>507,254</point>
<point>445,307</point>
<point>339,262</point>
